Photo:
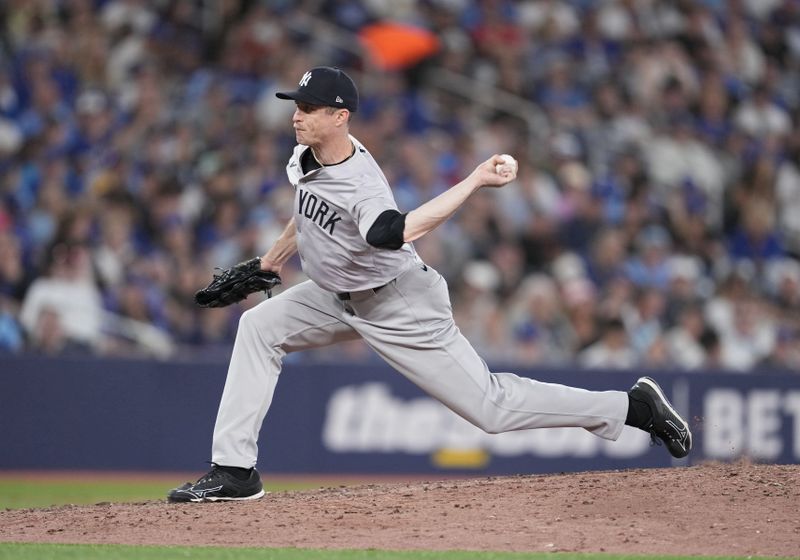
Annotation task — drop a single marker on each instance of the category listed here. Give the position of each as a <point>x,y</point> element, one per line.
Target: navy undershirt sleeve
<point>308,162</point>
<point>387,230</point>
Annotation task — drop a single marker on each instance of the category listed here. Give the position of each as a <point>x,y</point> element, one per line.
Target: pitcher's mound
<point>718,509</point>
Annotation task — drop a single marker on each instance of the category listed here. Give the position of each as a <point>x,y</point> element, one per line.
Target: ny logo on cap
<point>305,79</point>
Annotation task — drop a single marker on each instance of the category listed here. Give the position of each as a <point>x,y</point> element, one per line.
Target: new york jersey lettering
<point>316,210</point>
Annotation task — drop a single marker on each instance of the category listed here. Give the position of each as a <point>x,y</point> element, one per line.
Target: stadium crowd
<point>655,221</point>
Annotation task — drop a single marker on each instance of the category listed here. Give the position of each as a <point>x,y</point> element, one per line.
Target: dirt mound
<point>721,509</point>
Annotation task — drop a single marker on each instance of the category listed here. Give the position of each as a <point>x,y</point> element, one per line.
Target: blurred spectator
<point>787,195</point>
<point>14,279</point>
<point>657,354</point>
<point>749,336</point>
<point>684,340</point>
<point>612,351</point>
<point>607,257</point>
<point>783,287</point>
<point>541,326</point>
<point>740,55</point>
<point>618,296</point>
<point>784,354</point>
<point>581,213</point>
<point>760,117</point>
<point>661,69</point>
<point>712,121</point>
<point>562,97</point>
<point>65,305</point>
<point>497,37</point>
<point>756,239</point>
<point>13,284</point>
<point>478,313</point>
<point>649,268</point>
<point>677,156</point>
<point>580,303</point>
<point>687,286</point>
<point>49,336</point>
<point>11,337</point>
<point>643,320</point>
<point>712,346</point>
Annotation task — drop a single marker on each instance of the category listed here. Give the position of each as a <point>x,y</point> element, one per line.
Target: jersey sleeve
<point>371,201</point>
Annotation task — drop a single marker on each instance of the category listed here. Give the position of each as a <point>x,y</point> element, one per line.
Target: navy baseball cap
<point>326,86</point>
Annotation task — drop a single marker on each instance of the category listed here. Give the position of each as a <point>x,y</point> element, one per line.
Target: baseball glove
<point>232,285</point>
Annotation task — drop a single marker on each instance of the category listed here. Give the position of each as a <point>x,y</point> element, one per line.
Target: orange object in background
<point>394,46</point>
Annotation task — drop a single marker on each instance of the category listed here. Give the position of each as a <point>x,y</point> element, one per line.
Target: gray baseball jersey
<point>334,207</point>
<point>408,321</point>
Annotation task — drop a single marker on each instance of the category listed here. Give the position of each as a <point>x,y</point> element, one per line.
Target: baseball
<point>508,167</point>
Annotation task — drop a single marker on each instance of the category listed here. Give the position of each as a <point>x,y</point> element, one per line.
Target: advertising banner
<point>328,419</point>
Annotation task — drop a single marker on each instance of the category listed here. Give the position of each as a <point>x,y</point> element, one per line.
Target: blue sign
<point>328,419</point>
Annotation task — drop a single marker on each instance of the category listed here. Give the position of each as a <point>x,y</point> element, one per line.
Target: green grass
<point>116,552</point>
<point>25,493</point>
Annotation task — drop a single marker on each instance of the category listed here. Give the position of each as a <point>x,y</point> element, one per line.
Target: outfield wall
<point>149,415</point>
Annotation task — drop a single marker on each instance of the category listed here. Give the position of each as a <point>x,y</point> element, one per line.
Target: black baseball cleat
<point>664,423</point>
<point>219,486</point>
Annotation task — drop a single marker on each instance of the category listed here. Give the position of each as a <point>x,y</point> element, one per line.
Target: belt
<point>347,296</point>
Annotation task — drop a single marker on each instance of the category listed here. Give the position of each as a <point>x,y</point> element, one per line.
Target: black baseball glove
<point>234,284</point>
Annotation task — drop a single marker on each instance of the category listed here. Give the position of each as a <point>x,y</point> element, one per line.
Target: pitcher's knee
<point>248,320</point>
<point>252,323</point>
<point>490,425</point>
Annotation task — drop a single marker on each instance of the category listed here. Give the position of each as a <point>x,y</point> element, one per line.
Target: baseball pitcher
<point>366,281</point>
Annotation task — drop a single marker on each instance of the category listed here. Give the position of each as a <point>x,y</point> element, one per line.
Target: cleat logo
<point>682,432</point>
<point>202,493</point>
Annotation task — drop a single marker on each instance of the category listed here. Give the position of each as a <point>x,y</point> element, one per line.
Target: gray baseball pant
<point>409,323</point>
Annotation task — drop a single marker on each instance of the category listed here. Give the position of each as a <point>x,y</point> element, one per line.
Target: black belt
<point>346,296</point>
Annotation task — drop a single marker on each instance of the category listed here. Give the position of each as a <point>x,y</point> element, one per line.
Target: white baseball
<point>508,167</point>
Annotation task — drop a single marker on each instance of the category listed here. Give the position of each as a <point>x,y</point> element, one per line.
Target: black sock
<point>639,414</point>
<point>238,473</point>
